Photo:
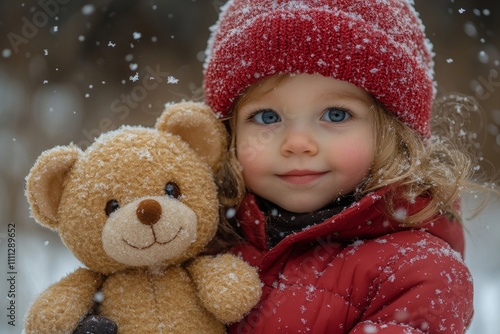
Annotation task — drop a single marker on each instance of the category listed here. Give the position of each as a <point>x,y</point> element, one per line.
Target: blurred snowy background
<point>71,69</point>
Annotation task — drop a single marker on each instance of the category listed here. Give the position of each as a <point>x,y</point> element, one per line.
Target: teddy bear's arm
<point>227,286</point>
<point>61,306</point>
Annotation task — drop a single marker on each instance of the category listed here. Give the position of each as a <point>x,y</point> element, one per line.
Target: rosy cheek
<point>254,143</point>
<point>250,172</point>
<point>245,162</point>
<point>246,153</point>
<point>357,160</point>
<point>247,156</point>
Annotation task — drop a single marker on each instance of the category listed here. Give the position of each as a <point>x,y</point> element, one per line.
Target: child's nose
<point>299,141</point>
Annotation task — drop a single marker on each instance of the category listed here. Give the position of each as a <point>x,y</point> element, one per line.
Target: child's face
<point>305,142</point>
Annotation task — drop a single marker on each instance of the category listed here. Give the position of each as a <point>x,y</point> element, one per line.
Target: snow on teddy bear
<point>136,208</point>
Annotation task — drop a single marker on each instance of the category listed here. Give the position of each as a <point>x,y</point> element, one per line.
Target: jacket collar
<point>362,220</point>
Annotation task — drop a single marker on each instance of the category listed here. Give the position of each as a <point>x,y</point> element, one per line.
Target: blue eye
<point>266,117</point>
<point>335,115</point>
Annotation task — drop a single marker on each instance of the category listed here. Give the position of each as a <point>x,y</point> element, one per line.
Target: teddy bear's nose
<point>149,212</point>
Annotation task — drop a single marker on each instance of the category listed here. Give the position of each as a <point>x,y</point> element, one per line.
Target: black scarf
<point>280,223</point>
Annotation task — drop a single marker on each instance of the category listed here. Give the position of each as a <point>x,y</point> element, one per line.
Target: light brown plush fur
<point>142,259</point>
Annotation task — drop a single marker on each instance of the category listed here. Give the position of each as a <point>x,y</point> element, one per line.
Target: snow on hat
<point>378,45</point>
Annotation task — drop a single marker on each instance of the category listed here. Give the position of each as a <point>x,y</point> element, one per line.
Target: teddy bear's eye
<point>172,190</point>
<point>111,206</point>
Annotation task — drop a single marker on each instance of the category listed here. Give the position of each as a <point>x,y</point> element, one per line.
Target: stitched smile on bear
<point>155,241</point>
<point>149,231</point>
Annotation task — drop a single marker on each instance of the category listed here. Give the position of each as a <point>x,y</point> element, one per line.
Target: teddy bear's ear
<point>44,183</point>
<point>196,124</point>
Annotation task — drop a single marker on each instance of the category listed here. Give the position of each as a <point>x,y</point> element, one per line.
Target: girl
<point>345,202</point>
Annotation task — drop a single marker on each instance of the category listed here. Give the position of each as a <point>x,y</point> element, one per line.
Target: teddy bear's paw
<point>94,324</point>
<point>227,286</point>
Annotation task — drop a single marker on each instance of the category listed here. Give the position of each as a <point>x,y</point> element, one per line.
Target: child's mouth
<point>301,177</point>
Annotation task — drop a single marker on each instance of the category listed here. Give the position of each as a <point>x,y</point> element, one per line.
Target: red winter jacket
<point>358,272</point>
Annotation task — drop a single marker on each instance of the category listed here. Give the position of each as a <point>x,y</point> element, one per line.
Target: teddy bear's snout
<point>149,211</point>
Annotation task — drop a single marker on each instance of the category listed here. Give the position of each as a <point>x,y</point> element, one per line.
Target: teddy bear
<point>138,208</point>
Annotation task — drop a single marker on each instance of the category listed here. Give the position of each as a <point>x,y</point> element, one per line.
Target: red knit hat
<point>378,45</point>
